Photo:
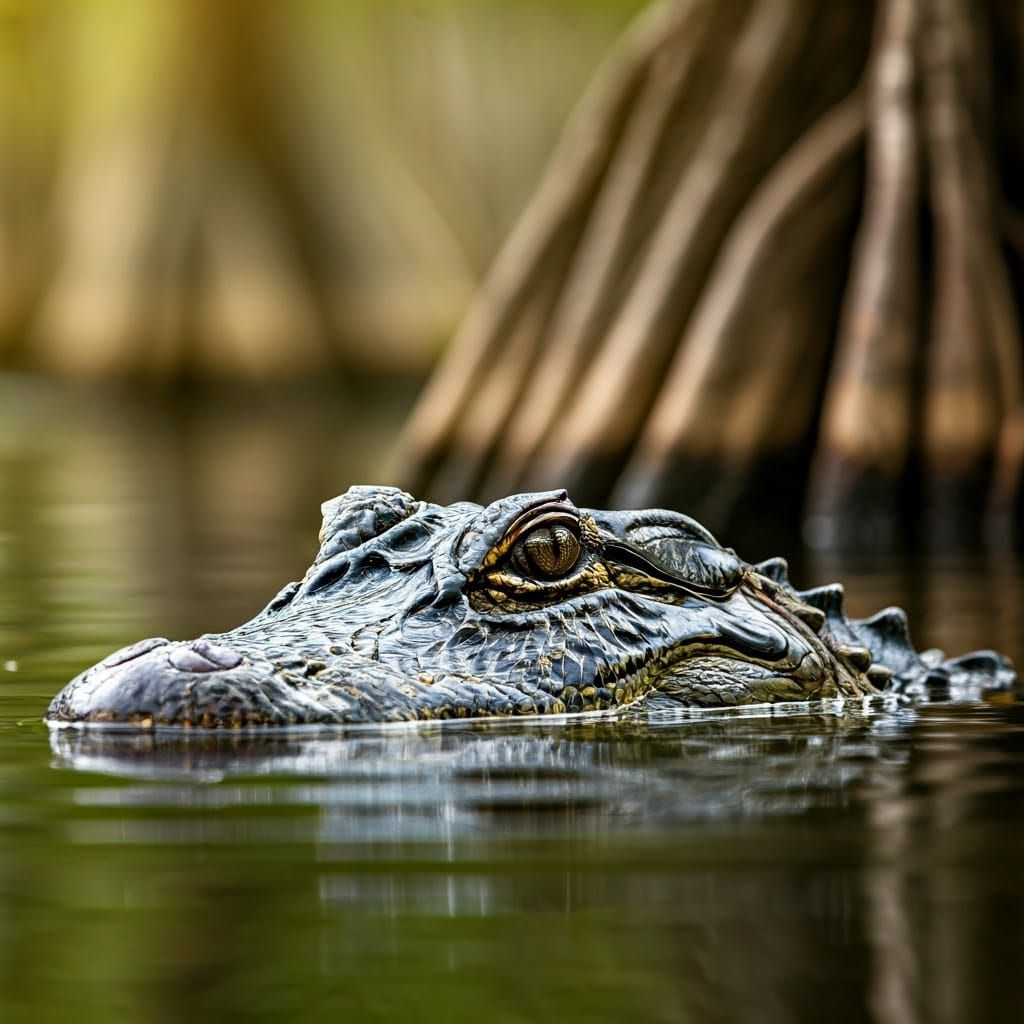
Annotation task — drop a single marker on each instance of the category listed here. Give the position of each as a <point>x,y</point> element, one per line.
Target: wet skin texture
<point>529,606</point>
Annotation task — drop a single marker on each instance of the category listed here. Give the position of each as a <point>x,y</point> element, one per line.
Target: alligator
<point>529,606</point>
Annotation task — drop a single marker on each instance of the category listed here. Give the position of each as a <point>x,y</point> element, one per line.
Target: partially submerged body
<point>529,606</point>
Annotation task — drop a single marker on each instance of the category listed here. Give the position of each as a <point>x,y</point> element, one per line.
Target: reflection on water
<point>847,862</point>
<point>399,784</point>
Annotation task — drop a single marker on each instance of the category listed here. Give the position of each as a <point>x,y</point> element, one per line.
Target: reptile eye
<point>547,551</point>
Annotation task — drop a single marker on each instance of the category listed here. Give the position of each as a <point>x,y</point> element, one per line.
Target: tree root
<point>587,445</point>
<point>865,433</point>
<point>755,345</point>
<point>715,289</point>
<point>542,243</point>
<point>973,379</point>
<point>622,219</point>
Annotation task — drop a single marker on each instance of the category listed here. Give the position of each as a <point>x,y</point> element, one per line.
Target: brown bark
<point>658,139</point>
<point>973,375</point>
<point>727,361</point>
<point>595,428</point>
<point>542,243</point>
<point>493,414</point>
<point>852,337</point>
<point>865,436</point>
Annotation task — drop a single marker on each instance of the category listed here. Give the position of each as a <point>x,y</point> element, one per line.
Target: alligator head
<point>528,606</point>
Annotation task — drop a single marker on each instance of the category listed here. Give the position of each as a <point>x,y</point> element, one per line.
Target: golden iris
<point>547,551</point>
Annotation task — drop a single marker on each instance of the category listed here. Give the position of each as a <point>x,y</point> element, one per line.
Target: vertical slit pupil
<point>552,550</point>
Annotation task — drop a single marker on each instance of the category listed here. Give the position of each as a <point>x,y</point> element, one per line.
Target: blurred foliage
<point>257,187</point>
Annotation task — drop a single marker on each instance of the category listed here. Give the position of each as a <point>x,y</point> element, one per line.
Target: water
<point>841,863</point>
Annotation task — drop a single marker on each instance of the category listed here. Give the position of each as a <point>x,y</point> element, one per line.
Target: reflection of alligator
<point>529,606</point>
<point>538,776</point>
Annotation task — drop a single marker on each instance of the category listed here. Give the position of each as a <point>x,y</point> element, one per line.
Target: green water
<point>855,863</point>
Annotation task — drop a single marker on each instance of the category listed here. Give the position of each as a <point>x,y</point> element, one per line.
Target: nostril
<point>222,657</point>
<point>204,656</point>
<point>135,650</point>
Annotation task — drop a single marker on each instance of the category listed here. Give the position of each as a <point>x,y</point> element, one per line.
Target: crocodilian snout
<point>153,682</point>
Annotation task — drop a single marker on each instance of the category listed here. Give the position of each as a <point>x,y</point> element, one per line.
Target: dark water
<point>850,863</point>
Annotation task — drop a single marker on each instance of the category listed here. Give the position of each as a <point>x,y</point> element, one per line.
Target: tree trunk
<point>777,263</point>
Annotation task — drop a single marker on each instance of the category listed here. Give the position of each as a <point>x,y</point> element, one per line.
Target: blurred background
<point>235,237</point>
<point>251,189</point>
<point>774,256</point>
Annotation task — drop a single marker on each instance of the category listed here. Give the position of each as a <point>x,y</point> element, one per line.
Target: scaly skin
<point>527,607</point>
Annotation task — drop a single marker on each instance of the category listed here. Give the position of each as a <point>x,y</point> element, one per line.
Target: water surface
<point>843,862</point>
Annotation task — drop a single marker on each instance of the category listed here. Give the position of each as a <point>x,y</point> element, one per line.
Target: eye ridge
<point>550,550</point>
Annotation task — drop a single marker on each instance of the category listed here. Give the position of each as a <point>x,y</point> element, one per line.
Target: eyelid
<point>544,512</point>
<point>552,512</point>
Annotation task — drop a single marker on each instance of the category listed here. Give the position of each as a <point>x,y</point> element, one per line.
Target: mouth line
<point>640,670</point>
